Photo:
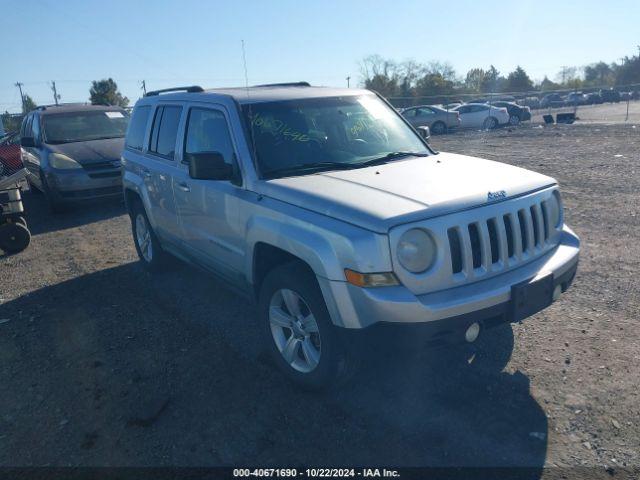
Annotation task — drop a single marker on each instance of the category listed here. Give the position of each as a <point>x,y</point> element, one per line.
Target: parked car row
<point>477,114</point>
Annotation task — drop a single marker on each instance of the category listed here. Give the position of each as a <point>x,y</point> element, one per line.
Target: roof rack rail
<point>44,107</point>
<point>191,89</point>
<point>289,84</point>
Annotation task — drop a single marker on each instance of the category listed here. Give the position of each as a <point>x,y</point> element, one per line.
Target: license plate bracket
<point>530,297</point>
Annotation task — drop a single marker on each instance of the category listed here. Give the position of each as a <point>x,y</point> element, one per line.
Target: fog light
<point>557,292</point>
<point>472,332</point>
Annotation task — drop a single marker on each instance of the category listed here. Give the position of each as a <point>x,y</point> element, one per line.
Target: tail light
<point>458,117</point>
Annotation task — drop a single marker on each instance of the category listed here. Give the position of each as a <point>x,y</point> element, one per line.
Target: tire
<point>54,205</point>
<point>438,128</point>
<point>150,253</point>
<point>514,120</point>
<point>316,358</point>
<point>14,237</point>
<point>21,220</point>
<point>490,123</point>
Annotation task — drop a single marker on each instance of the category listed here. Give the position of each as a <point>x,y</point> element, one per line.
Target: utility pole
<point>348,82</point>
<point>144,87</point>
<point>563,70</point>
<point>19,85</point>
<point>56,97</point>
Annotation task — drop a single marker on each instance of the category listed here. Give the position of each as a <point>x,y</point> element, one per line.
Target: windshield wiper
<point>314,166</point>
<point>390,156</point>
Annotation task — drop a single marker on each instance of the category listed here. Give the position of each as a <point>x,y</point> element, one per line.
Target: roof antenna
<point>246,84</point>
<point>246,76</point>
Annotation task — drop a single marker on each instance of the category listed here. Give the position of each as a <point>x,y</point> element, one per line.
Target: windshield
<point>84,126</point>
<point>302,136</point>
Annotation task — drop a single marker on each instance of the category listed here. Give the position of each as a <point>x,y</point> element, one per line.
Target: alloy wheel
<point>143,237</point>
<point>294,330</point>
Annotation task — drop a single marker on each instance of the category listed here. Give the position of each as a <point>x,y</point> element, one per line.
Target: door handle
<point>145,172</point>
<point>184,187</point>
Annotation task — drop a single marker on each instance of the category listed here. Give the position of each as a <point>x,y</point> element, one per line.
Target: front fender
<point>309,246</point>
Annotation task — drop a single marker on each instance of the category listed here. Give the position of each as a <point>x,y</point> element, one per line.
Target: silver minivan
<point>72,152</point>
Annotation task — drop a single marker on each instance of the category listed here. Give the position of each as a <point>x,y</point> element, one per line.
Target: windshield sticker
<point>114,114</point>
<point>278,127</point>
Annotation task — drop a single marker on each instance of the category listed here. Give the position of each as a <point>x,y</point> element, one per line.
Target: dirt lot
<point>104,364</point>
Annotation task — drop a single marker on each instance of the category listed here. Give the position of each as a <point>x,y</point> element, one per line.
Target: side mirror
<point>209,166</point>
<point>27,142</point>
<point>425,133</point>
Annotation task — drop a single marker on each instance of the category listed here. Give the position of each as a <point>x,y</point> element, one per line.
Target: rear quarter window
<point>138,127</point>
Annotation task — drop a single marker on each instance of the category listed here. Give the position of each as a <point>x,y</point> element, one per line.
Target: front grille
<point>500,241</point>
<point>92,192</point>
<point>106,165</point>
<point>107,169</point>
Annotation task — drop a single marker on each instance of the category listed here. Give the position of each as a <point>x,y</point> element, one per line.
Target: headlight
<point>416,250</point>
<point>554,210</point>
<point>62,162</point>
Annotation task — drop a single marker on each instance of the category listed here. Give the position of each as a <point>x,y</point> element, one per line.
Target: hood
<point>380,197</point>
<point>93,151</point>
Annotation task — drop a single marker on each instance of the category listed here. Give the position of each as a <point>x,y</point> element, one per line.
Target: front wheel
<point>298,331</point>
<point>490,123</point>
<point>55,206</point>
<point>514,120</point>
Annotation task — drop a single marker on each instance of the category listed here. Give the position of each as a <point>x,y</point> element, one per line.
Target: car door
<point>410,115</point>
<point>30,155</point>
<point>425,117</point>
<point>477,115</point>
<point>158,167</point>
<point>209,210</point>
<point>466,120</point>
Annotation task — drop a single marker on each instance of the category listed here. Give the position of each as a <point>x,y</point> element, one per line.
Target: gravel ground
<point>105,364</point>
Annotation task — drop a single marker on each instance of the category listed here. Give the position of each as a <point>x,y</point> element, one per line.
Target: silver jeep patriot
<point>339,219</point>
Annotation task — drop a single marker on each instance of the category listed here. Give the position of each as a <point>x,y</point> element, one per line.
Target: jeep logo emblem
<point>491,196</point>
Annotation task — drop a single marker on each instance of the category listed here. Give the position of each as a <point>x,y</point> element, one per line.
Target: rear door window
<point>138,127</point>
<point>165,131</point>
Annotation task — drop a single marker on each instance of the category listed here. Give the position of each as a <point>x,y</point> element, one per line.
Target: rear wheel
<point>147,245</point>
<point>490,123</point>
<point>514,120</point>
<point>14,237</point>
<point>439,128</point>
<point>298,331</point>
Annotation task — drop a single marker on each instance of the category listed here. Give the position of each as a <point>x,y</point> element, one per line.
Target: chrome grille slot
<point>545,219</point>
<point>476,247</point>
<point>455,247</point>
<point>493,240</point>
<point>508,227</point>
<point>524,238</point>
<point>536,228</point>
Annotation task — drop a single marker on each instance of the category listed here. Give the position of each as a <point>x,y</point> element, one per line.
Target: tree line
<point>411,79</point>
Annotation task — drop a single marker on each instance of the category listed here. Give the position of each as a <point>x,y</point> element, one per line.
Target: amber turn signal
<point>384,279</point>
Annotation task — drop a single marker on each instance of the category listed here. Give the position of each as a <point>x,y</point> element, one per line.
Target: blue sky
<point>170,43</point>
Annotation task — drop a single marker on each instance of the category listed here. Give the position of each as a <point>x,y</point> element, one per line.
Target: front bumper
<point>356,308</point>
<point>78,185</point>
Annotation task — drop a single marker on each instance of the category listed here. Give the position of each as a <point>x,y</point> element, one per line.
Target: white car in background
<point>480,115</point>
